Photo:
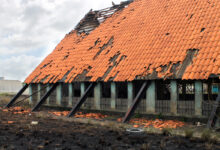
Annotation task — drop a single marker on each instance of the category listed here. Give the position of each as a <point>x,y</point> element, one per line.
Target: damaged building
<point>156,56</point>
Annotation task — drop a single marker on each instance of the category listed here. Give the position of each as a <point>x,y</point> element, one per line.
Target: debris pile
<point>16,110</point>
<point>81,115</point>
<point>159,124</point>
<point>137,122</point>
<point>90,115</point>
<point>59,113</point>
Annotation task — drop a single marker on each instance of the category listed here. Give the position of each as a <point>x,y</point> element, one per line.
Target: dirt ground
<point>19,132</point>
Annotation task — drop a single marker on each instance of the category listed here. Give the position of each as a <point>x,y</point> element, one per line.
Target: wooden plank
<point>135,102</point>
<point>17,96</point>
<point>213,117</point>
<point>43,99</point>
<point>82,99</point>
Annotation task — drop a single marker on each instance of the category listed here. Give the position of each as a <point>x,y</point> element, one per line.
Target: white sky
<point>30,30</point>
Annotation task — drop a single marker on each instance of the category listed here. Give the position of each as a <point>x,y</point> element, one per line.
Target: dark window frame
<point>186,90</point>
<point>162,90</point>
<point>65,89</point>
<point>106,89</point>
<point>122,90</point>
<point>76,89</point>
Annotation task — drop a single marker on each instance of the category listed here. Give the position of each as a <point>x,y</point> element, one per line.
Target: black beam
<point>135,102</point>
<point>82,99</point>
<point>17,96</point>
<point>213,116</point>
<point>46,95</point>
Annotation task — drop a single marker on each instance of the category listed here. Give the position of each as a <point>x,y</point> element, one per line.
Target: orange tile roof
<point>149,39</point>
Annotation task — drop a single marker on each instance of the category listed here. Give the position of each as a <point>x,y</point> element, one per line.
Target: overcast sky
<point>30,30</point>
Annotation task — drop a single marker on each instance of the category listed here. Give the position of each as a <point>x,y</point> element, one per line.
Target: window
<point>163,90</point>
<point>137,86</point>
<point>210,91</point>
<point>76,89</point>
<point>186,90</point>
<point>91,94</point>
<point>122,90</point>
<point>215,88</point>
<point>65,90</point>
<point>106,90</point>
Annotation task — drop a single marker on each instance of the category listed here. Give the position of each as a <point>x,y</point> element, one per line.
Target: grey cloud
<point>18,67</point>
<point>27,25</point>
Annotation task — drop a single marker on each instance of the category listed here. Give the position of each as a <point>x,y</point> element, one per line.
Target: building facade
<point>174,46</point>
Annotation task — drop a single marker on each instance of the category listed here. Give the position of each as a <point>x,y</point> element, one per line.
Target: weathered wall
<point>185,99</point>
<point>11,86</point>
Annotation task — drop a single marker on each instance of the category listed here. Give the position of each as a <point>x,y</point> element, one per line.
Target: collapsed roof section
<point>94,18</point>
<point>149,39</point>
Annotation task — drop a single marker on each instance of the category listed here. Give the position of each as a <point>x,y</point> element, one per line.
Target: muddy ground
<point>17,132</point>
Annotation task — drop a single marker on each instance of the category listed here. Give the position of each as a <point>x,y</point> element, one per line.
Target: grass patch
<point>137,115</point>
<point>5,98</point>
<point>166,131</point>
<point>146,146</point>
<point>208,146</point>
<point>189,133</point>
<point>5,94</point>
<point>159,116</point>
<point>206,135</point>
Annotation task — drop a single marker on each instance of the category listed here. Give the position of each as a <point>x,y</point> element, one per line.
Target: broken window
<point>65,90</point>
<point>122,90</point>
<point>106,90</point>
<point>91,94</point>
<point>210,90</point>
<point>76,89</point>
<point>163,90</point>
<point>186,90</point>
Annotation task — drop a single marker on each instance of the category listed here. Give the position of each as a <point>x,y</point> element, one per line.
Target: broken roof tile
<point>146,34</point>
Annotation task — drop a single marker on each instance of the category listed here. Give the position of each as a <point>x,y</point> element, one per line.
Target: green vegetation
<point>166,131</point>
<point>159,116</point>
<point>5,94</point>
<point>137,115</point>
<point>206,135</point>
<point>189,133</point>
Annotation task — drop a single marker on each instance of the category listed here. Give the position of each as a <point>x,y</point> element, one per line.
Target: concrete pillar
<point>59,94</point>
<point>38,94</point>
<point>82,86</point>
<point>151,98</point>
<point>30,93</point>
<point>70,103</point>
<point>198,98</point>
<point>130,94</point>
<point>48,99</point>
<point>173,97</point>
<point>97,96</point>
<point>82,90</point>
<point>113,95</point>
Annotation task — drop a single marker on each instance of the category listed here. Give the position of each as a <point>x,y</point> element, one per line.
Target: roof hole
<point>167,34</point>
<point>60,49</point>
<point>65,57</point>
<point>202,29</point>
<point>191,16</point>
<point>214,60</point>
<point>97,41</point>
